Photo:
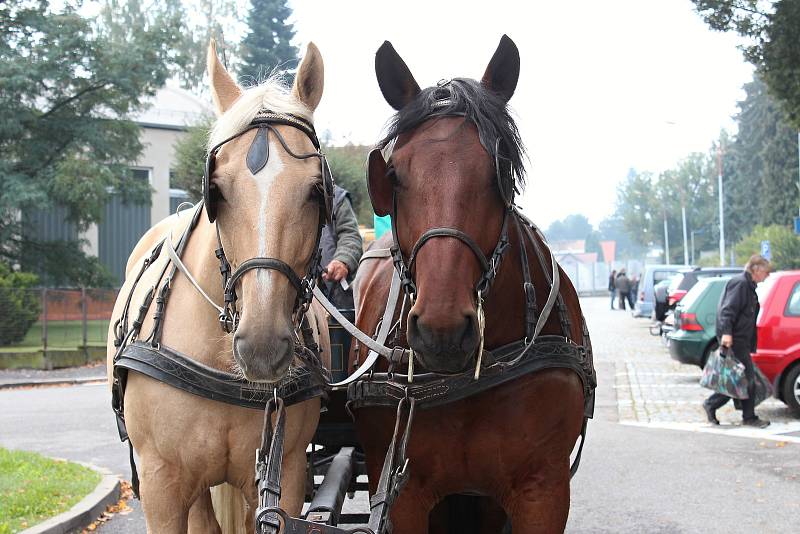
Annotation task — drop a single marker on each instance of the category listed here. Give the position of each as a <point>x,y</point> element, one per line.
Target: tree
<point>784,245</point>
<point>771,29</point>
<point>190,159</point>
<point>348,165</point>
<point>638,208</point>
<point>67,86</point>
<point>267,46</point>
<point>574,226</point>
<point>216,19</point>
<point>760,166</point>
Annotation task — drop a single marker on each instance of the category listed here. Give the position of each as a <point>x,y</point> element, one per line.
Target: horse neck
<point>191,325</point>
<point>505,305</point>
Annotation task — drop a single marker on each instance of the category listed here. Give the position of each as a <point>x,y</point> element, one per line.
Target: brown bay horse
<point>502,454</point>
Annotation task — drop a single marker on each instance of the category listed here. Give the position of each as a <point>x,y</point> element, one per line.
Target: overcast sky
<point>604,85</point>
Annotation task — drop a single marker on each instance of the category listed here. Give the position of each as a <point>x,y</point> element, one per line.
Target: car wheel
<point>707,353</point>
<point>791,388</point>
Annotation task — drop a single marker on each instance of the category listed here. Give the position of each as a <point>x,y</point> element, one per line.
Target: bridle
<point>489,266</point>
<point>257,157</point>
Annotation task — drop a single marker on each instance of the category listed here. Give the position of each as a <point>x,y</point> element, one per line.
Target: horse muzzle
<point>445,349</point>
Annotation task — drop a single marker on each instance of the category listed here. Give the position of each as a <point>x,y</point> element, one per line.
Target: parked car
<point>778,352</point>
<point>687,278</point>
<point>661,300</point>
<point>653,274</point>
<point>694,336</point>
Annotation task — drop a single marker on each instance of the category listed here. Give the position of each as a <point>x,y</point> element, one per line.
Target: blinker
<point>258,154</point>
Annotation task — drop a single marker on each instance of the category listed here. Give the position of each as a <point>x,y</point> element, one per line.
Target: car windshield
<point>696,292</point>
<point>675,282</point>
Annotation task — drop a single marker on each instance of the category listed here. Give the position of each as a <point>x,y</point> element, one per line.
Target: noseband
<point>257,157</point>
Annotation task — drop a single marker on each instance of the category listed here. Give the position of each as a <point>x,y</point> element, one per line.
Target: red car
<point>778,351</point>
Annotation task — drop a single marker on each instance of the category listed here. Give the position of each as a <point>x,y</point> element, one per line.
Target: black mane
<point>485,109</point>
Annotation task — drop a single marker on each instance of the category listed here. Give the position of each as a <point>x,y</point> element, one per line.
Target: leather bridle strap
<point>272,264</point>
<point>488,266</point>
<point>448,232</point>
<point>269,458</point>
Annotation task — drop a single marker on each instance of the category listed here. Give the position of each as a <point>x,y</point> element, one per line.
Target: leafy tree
<point>67,85</point>
<point>784,245</point>
<point>190,159</point>
<point>19,304</point>
<point>574,226</point>
<point>760,166</point>
<point>638,208</point>
<point>773,47</point>
<point>267,45</point>
<point>216,19</point>
<point>348,165</point>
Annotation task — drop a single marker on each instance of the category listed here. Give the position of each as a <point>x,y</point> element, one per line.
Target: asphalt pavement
<point>633,478</point>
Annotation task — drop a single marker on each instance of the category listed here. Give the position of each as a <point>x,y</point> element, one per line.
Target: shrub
<point>20,304</point>
<point>784,246</point>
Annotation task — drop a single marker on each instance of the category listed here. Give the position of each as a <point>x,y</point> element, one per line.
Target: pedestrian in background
<point>612,286</point>
<point>342,247</point>
<point>634,289</point>
<point>623,285</point>
<point>737,333</point>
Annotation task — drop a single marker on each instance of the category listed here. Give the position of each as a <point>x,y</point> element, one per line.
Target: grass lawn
<point>63,335</point>
<point>34,488</point>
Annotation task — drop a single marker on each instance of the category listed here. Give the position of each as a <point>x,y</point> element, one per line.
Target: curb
<point>52,382</point>
<point>87,510</point>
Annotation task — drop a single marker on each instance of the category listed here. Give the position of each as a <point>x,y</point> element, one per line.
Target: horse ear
<point>224,89</point>
<point>502,73</point>
<point>394,77</point>
<point>378,184</point>
<point>310,79</point>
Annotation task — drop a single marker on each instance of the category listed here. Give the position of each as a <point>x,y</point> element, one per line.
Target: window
<point>662,275</point>
<point>793,304</point>
<point>140,174</point>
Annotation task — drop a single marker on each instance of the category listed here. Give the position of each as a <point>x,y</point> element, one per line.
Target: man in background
<point>342,248</point>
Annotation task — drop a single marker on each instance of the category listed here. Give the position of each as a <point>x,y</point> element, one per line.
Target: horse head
<point>448,185</point>
<point>265,190</point>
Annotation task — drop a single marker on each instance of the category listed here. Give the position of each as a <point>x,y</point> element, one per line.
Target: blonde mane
<point>272,94</point>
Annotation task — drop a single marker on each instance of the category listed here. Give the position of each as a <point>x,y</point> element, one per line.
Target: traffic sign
<point>765,251</point>
<point>797,225</point>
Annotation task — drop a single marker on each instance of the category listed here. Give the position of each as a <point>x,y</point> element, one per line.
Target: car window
<point>695,294</point>
<point>675,282</point>
<point>662,275</point>
<point>793,304</point>
<point>762,289</point>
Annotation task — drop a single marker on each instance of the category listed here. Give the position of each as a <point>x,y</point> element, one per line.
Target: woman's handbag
<point>725,374</point>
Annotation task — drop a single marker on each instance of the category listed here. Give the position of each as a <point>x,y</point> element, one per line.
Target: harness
<point>150,357</point>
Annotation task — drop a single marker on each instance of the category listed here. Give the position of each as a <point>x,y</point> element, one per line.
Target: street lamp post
<point>693,234</point>
<point>721,214</point>
<point>685,243</point>
<point>666,240</point>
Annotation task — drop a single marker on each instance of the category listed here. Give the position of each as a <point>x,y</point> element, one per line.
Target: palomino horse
<point>505,385</point>
<point>264,206</point>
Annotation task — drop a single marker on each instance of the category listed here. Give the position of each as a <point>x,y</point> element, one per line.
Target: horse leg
<point>409,514</point>
<point>201,516</point>
<point>540,504</point>
<point>166,498</point>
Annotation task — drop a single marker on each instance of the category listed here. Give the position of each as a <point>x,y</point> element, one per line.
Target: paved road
<point>635,477</point>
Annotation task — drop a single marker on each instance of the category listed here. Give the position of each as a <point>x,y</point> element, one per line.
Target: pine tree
<point>267,45</point>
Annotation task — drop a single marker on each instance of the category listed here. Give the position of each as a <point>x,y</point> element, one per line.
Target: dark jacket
<point>341,241</point>
<point>612,283</point>
<point>738,311</point>
<point>623,284</point>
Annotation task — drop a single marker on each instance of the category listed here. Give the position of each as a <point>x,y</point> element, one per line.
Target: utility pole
<point>721,214</point>
<point>666,240</point>
<point>685,241</point>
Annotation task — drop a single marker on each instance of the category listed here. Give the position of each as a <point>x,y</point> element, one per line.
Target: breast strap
<point>180,371</point>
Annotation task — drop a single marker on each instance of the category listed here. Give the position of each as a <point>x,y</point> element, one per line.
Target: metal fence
<point>47,319</point>
<point>592,278</point>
